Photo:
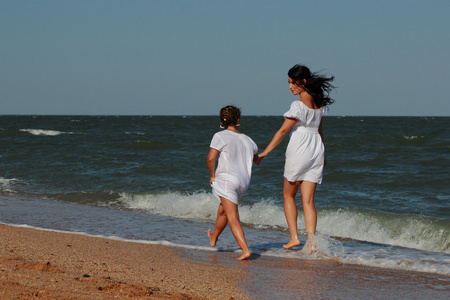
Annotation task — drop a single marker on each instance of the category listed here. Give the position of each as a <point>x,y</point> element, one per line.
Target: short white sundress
<point>305,151</point>
<point>234,167</point>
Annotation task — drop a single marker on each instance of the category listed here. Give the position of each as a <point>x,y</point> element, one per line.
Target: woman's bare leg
<point>290,211</point>
<point>232,214</point>
<point>221,223</point>
<point>307,190</point>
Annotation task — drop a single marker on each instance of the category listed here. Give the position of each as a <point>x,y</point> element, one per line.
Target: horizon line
<point>201,115</point>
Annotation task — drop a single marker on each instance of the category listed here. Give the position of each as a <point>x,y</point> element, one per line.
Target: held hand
<point>256,160</point>
<point>211,180</point>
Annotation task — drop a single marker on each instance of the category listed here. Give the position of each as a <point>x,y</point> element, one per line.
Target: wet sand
<point>54,265</point>
<point>287,278</point>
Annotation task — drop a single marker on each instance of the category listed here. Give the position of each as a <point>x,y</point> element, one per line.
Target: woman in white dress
<point>305,153</point>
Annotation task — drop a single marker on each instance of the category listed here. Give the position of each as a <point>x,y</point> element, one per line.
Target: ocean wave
<point>198,206</point>
<point>409,231</point>
<point>5,182</point>
<point>44,132</point>
<point>180,209</point>
<point>399,259</point>
<point>413,137</point>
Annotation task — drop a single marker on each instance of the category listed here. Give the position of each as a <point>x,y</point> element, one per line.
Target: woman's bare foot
<point>309,247</point>
<point>292,243</point>
<point>212,239</point>
<point>312,248</point>
<point>244,255</point>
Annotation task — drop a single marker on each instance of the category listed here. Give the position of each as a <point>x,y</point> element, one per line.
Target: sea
<point>384,200</point>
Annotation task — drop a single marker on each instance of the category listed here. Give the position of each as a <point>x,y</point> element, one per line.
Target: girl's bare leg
<point>307,190</point>
<point>290,211</point>
<point>221,223</point>
<point>232,214</point>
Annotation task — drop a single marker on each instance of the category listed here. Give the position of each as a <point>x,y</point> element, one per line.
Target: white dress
<point>234,167</point>
<point>305,151</point>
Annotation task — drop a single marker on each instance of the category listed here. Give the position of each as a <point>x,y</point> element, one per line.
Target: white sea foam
<point>413,137</point>
<point>5,184</point>
<point>203,206</point>
<point>263,214</point>
<point>405,231</point>
<point>44,132</point>
<point>399,258</point>
<point>200,206</point>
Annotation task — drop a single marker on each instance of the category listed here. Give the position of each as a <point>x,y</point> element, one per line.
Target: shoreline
<point>51,264</point>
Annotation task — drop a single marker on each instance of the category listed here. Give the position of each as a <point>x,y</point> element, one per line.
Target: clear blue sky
<point>179,57</point>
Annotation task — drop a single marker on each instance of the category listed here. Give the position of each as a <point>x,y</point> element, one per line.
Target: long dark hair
<point>229,116</point>
<point>319,87</point>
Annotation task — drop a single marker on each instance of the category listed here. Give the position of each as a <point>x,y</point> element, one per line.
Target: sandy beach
<point>53,265</point>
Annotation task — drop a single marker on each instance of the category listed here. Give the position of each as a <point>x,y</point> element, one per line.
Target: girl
<point>232,177</point>
<point>305,153</point>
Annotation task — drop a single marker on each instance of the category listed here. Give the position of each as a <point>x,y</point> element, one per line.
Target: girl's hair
<point>229,116</point>
<point>319,87</point>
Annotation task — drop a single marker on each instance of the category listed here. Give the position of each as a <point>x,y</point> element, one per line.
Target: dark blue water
<point>384,199</point>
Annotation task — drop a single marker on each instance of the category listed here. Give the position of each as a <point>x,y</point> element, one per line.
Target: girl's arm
<point>323,141</point>
<point>211,162</point>
<point>279,135</point>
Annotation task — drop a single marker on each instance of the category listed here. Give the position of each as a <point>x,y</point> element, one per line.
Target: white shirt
<point>235,158</point>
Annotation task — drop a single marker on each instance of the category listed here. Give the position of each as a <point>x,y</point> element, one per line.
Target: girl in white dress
<point>231,179</point>
<point>305,153</point>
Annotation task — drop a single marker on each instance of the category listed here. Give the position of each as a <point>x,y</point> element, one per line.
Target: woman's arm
<point>279,135</point>
<point>211,162</point>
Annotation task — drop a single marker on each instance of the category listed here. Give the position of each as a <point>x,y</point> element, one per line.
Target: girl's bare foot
<point>244,255</point>
<point>212,240</point>
<point>292,243</point>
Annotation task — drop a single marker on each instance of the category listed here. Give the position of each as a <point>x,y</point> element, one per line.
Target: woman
<point>305,153</point>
